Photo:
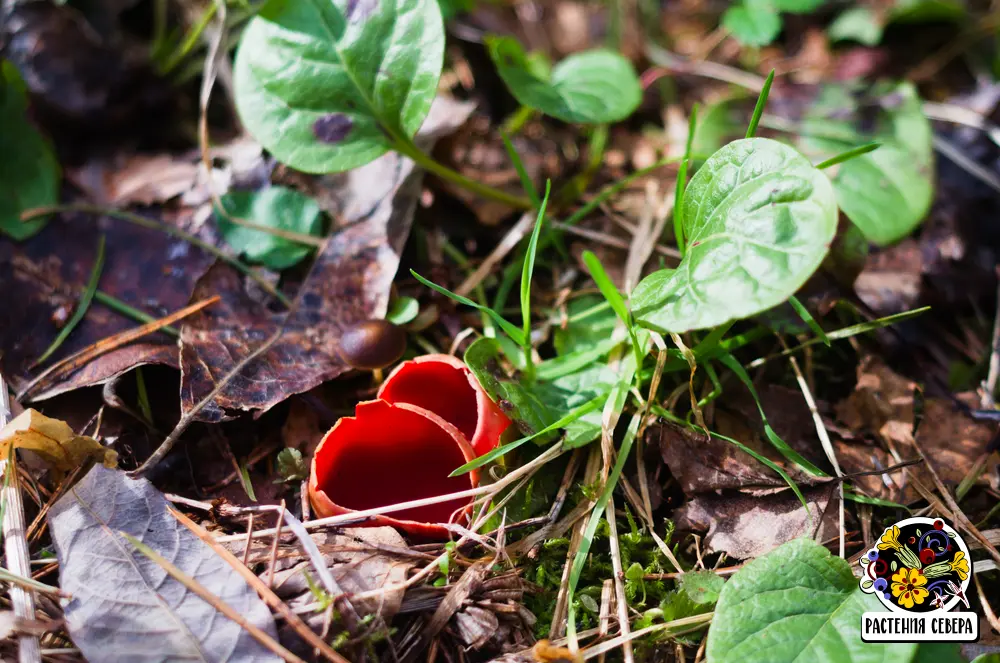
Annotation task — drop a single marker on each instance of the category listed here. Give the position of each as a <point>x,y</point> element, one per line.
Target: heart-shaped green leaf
<point>798,603</point>
<point>593,87</point>
<point>325,85</point>
<point>886,193</point>
<point>759,220</point>
<point>29,172</point>
<point>275,207</point>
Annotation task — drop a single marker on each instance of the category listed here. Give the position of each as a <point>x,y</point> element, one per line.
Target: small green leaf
<point>329,85</point>
<point>798,6</point>
<point>291,466</point>
<point>753,22</point>
<point>29,172</point>
<point>797,603</point>
<point>759,220</point>
<point>402,310</point>
<point>593,87</point>
<point>886,193</point>
<point>520,403</point>
<point>274,207</point>
<point>859,24</point>
<point>702,587</point>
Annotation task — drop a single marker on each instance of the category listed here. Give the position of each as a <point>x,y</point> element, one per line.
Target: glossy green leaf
<point>29,172</point>
<point>402,310</point>
<point>797,603</point>
<point>759,220</point>
<point>888,192</point>
<point>274,207</point>
<point>753,22</point>
<point>592,87</point>
<point>325,85</point>
<point>703,587</point>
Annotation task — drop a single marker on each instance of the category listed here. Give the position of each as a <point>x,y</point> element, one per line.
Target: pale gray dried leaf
<point>124,606</point>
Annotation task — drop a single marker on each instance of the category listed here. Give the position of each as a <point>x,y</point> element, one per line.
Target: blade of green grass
<point>566,420</point>
<point>580,560</point>
<point>522,172</point>
<point>143,395</point>
<point>846,332</point>
<point>82,306</point>
<point>874,501</point>
<point>614,298</point>
<point>527,272</point>
<point>762,459</point>
<point>118,306</point>
<point>759,108</point>
<point>808,319</point>
<point>849,154</point>
<point>508,328</point>
<point>730,362</point>
<point>682,184</point>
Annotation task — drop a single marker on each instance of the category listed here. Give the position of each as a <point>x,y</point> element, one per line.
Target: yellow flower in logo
<point>960,565</point>
<point>890,539</point>
<point>908,586</point>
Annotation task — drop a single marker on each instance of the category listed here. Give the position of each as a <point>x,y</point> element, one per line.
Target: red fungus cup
<point>444,385</point>
<point>389,453</point>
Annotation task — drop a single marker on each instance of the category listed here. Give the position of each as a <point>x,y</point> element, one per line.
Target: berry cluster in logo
<point>917,565</point>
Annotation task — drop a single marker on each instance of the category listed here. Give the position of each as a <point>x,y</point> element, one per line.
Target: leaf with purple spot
<point>330,85</point>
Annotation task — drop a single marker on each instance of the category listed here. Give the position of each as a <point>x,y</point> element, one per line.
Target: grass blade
<point>566,420</point>
<point>808,319</point>
<point>81,308</point>
<point>527,270</point>
<point>849,154</point>
<point>522,172</point>
<point>759,108</point>
<point>763,459</point>
<point>736,367</point>
<point>508,328</point>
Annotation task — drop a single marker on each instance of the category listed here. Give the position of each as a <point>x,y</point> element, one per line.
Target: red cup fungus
<point>444,385</point>
<point>390,453</point>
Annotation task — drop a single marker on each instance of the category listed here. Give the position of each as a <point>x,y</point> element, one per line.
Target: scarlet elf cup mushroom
<point>431,417</point>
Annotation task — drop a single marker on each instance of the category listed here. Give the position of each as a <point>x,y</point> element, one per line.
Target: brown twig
<point>265,592</point>
<point>86,355</point>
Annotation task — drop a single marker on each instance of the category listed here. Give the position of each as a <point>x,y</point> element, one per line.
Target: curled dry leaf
<point>127,608</point>
<point>349,283</point>
<point>54,441</point>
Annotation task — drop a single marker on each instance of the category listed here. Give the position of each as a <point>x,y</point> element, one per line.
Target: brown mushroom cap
<point>372,344</point>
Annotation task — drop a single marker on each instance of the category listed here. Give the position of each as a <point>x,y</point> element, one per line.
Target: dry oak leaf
<point>54,441</point>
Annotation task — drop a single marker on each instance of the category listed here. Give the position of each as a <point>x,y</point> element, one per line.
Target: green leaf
<point>291,466</point>
<point>29,172</point>
<point>518,402</point>
<point>590,320</point>
<point>797,603</point>
<point>592,87</point>
<point>515,334</point>
<point>329,85</point>
<point>888,192</point>
<point>759,220</point>
<point>703,587</point>
<point>274,207</point>
<point>402,310</point>
<point>753,22</point>
<point>859,24</point>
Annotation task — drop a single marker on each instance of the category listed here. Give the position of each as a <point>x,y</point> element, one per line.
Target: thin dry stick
<point>359,516</point>
<point>197,588</point>
<point>273,561</point>
<point>619,574</point>
<point>824,437</point>
<point>987,400</point>
<point>518,232</point>
<point>265,592</point>
<point>249,545</point>
<point>604,617</point>
<point>15,543</point>
<point>113,342</point>
<point>678,626</point>
<point>991,616</point>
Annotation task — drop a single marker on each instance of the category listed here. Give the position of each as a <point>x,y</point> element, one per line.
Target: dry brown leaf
<point>54,441</point>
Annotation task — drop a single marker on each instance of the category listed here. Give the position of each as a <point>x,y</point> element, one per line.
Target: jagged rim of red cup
<point>390,453</point>
<point>444,385</point>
